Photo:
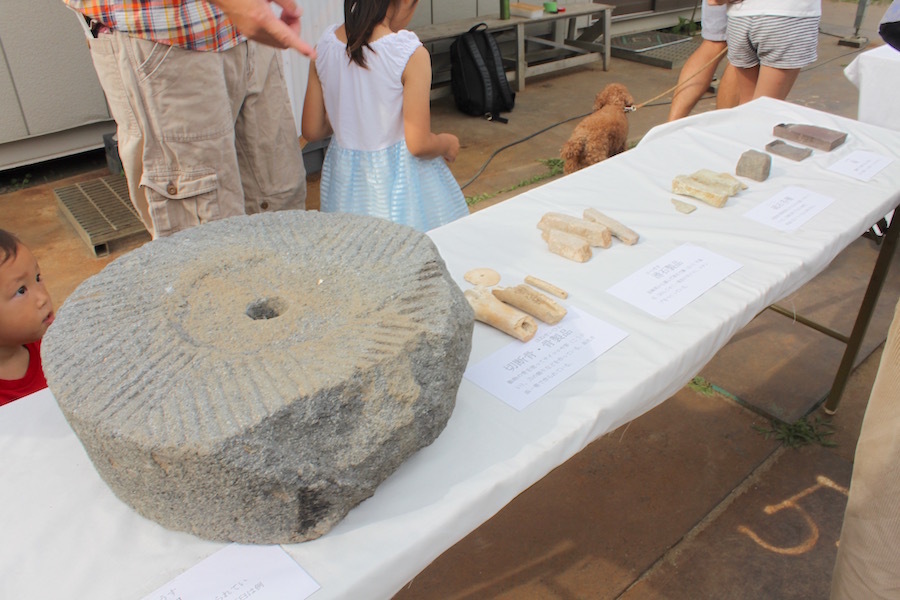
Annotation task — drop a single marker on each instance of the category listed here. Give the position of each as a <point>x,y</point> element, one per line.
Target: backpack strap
<point>499,71</point>
<point>469,40</point>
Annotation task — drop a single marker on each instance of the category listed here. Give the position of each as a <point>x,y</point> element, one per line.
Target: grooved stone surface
<point>255,378</point>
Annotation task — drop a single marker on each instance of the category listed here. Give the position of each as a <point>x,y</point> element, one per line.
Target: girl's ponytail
<point>360,19</point>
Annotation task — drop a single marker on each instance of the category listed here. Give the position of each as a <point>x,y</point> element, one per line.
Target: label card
<point>673,281</point>
<point>861,165</point>
<point>789,209</point>
<point>240,572</point>
<point>520,373</point>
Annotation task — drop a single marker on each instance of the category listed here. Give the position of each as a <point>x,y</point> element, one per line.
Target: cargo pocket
<point>179,200</point>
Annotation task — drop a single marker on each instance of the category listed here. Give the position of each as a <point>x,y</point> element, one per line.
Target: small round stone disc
<point>482,276</point>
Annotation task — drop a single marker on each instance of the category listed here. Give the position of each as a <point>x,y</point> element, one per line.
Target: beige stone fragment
<point>683,207</point>
<point>546,287</point>
<point>533,302</point>
<point>567,245</point>
<point>726,181</point>
<point>625,234</point>
<point>482,276</point>
<point>595,233</point>
<point>490,310</point>
<point>711,194</point>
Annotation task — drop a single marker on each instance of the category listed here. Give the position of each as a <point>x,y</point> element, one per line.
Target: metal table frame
<point>888,242</point>
<point>585,47</point>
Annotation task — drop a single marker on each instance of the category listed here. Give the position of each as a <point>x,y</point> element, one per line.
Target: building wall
<point>48,88</point>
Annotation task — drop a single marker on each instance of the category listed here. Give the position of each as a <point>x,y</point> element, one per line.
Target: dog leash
<point>674,88</point>
<point>628,109</point>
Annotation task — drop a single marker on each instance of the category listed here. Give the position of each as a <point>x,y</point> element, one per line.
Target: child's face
<point>26,310</point>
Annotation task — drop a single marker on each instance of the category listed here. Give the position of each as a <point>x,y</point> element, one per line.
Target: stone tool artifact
<point>482,276</point>
<point>533,302</point>
<point>625,234</point>
<point>253,379</point>
<point>567,245</point>
<point>820,138</point>
<point>708,186</point>
<point>499,315</point>
<point>726,181</point>
<point>754,165</point>
<point>683,207</point>
<point>546,287</point>
<point>786,150</point>
<point>595,233</point>
<point>687,186</point>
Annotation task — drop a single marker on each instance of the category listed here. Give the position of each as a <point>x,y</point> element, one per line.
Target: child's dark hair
<point>9,246</point>
<point>360,19</point>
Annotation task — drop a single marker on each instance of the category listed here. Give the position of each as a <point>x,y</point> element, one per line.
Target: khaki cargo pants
<point>202,135</point>
<point>868,559</point>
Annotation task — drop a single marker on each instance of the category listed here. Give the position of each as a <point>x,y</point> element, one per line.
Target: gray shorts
<point>772,41</point>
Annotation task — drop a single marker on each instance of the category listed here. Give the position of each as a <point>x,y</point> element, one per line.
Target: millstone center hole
<point>266,308</point>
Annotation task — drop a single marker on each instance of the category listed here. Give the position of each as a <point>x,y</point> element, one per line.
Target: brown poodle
<point>601,134</point>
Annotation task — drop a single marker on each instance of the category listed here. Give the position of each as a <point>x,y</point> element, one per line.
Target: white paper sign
<point>789,209</point>
<point>521,373</point>
<point>673,281</point>
<point>239,572</point>
<point>861,165</point>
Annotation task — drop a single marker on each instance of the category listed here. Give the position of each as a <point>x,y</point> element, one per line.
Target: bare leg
<point>728,95</point>
<point>746,82</point>
<point>775,83</point>
<point>698,72</point>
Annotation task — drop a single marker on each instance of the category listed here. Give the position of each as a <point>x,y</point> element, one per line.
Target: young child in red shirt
<point>26,312</point>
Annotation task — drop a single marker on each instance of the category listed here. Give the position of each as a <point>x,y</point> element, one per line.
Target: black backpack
<point>477,77</point>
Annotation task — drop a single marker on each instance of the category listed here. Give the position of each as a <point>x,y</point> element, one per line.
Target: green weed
<point>684,27</point>
<point>14,185</point>
<point>702,386</point>
<point>800,432</point>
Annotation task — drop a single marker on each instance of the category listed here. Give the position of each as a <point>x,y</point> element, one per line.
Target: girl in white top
<point>370,89</point>
<point>769,41</point>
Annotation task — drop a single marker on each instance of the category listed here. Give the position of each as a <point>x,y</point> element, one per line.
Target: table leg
<point>521,64</point>
<point>559,36</point>
<point>590,35</point>
<point>607,40</point>
<point>879,273</point>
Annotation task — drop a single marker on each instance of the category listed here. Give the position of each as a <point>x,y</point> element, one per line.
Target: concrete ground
<point>691,500</point>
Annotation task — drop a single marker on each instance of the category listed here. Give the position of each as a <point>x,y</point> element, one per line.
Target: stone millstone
<point>255,378</point>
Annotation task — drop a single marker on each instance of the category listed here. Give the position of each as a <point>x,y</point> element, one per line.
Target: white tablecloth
<point>66,536</point>
<point>876,73</point>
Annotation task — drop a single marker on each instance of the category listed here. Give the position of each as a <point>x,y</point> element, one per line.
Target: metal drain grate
<point>667,56</point>
<point>100,211</point>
